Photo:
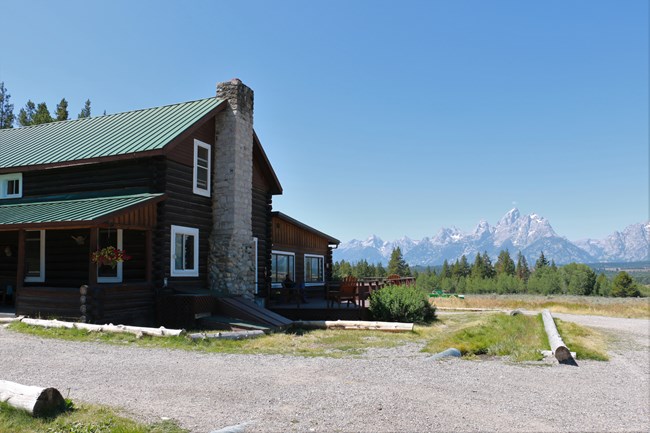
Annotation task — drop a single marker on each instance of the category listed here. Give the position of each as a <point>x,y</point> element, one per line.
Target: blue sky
<point>384,117</point>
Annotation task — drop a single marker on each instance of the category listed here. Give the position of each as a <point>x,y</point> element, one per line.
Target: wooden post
<point>20,269</point>
<point>558,348</point>
<point>92,267</point>
<point>35,400</point>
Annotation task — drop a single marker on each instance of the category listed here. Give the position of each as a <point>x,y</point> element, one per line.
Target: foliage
<point>62,110</point>
<point>624,286</point>
<point>85,419</point>
<point>520,337</point>
<point>397,265</point>
<point>507,278</point>
<point>42,115</point>
<point>85,112</point>
<point>401,304</point>
<point>26,114</point>
<point>109,256</point>
<point>6,109</point>
<point>505,264</point>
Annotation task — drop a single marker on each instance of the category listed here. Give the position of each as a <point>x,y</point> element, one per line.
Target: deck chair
<point>347,291</point>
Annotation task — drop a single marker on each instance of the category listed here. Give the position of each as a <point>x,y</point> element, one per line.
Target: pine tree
<point>488,269</point>
<point>623,285</point>
<point>463,267</point>
<point>381,271</point>
<point>6,109</point>
<point>397,265</point>
<point>504,264</point>
<point>85,112</point>
<point>445,272</point>
<point>522,271</point>
<point>25,116</point>
<point>541,262</point>
<point>42,115</point>
<point>62,110</point>
<point>477,267</point>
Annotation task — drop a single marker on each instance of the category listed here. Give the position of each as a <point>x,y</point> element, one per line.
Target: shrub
<point>401,304</point>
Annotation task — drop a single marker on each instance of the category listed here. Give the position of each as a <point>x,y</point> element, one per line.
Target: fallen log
<point>137,330</point>
<point>35,400</point>
<point>558,348</point>
<point>356,324</point>
<point>234,335</point>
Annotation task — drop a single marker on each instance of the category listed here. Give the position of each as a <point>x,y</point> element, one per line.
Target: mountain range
<point>530,234</point>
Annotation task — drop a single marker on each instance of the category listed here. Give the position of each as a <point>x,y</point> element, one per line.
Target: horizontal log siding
<point>262,207</point>
<point>182,208</point>
<point>140,174</point>
<point>132,304</point>
<point>59,302</point>
<point>291,238</point>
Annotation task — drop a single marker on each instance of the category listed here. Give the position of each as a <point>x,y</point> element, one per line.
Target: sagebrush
<point>401,304</point>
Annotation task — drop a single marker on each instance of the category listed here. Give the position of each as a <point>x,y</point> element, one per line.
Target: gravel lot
<point>396,390</point>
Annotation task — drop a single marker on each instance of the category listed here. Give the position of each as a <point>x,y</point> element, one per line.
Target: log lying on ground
<point>558,347</point>
<point>10,319</point>
<point>137,330</point>
<point>35,400</point>
<point>234,335</point>
<point>356,324</point>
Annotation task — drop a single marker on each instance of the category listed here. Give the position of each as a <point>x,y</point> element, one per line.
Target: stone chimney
<point>231,265</point>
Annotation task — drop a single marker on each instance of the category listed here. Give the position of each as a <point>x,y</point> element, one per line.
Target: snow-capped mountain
<point>630,245</point>
<point>529,234</point>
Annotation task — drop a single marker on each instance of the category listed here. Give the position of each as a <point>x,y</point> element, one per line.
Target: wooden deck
<point>317,307</point>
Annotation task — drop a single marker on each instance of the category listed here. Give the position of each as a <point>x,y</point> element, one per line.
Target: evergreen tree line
<point>34,114</point>
<point>504,277</point>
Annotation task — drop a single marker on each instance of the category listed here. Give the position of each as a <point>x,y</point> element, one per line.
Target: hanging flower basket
<point>109,256</point>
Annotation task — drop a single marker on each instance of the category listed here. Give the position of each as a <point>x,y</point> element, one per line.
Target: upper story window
<point>11,185</point>
<point>202,165</point>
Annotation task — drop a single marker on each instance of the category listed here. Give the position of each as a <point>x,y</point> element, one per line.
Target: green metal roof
<point>102,136</point>
<point>68,211</point>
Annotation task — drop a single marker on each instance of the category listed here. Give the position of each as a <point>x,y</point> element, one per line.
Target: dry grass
<point>615,307</point>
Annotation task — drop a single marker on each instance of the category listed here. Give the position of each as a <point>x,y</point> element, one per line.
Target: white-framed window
<point>11,185</point>
<point>314,270</point>
<point>110,238</point>
<point>282,264</point>
<point>202,166</point>
<point>184,252</point>
<point>35,256</point>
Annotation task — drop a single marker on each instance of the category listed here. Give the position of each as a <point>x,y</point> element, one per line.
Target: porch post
<point>92,267</point>
<point>20,271</point>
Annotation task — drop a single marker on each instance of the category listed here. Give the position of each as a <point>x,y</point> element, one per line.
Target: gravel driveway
<point>396,390</point>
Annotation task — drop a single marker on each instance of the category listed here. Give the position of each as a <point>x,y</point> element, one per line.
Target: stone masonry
<point>231,265</point>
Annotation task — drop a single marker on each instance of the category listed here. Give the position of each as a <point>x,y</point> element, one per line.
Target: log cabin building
<point>184,190</point>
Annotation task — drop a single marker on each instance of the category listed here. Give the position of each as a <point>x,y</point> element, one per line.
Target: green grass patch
<point>519,337</point>
<point>587,343</point>
<point>84,419</point>
<point>474,334</point>
<point>329,343</point>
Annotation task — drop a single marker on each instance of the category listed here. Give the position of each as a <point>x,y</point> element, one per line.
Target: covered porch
<point>46,258</point>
